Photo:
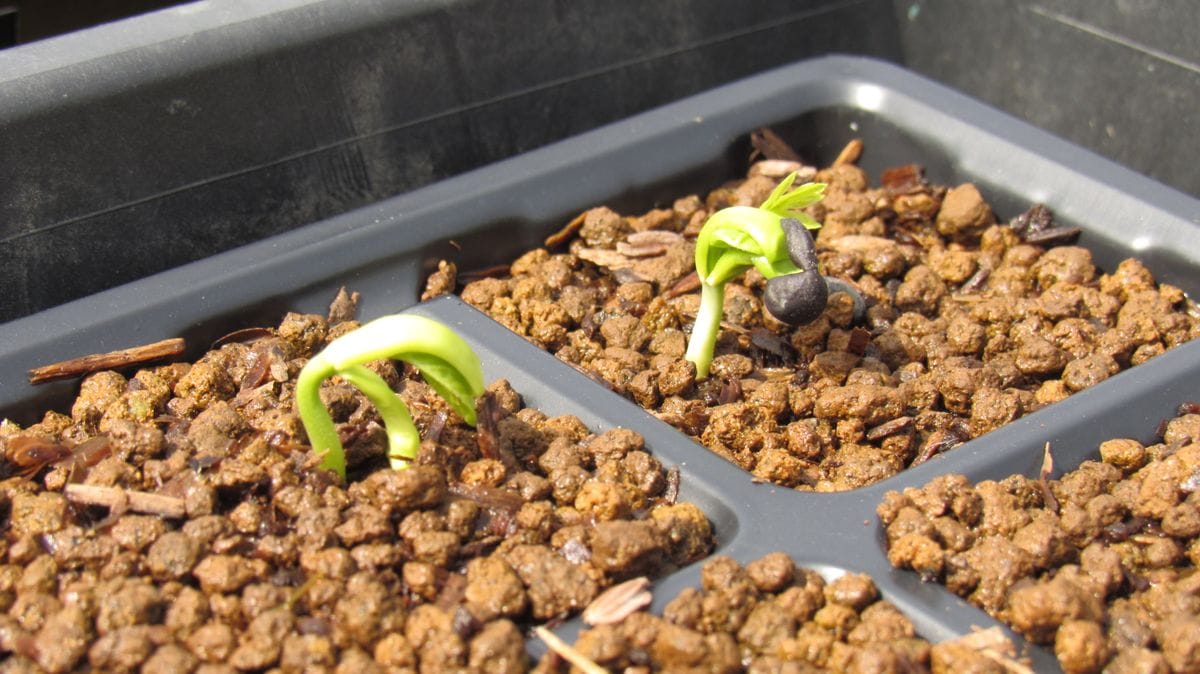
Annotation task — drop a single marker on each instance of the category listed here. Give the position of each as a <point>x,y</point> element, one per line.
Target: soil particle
<point>63,641</point>
<point>494,590</point>
<point>687,532</point>
<point>125,649</point>
<point>169,659</point>
<point>497,647</point>
<point>964,214</point>
<point>277,567</point>
<point>96,393</point>
<point>204,383</point>
<point>554,586</point>
<point>602,228</point>
<point>1081,647</point>
<point>36,514</point>
<point>626,547</point>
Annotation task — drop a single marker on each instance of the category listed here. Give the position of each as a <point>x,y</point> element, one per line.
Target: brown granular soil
<point>970,325</point>
<point>275,566</point>
<point>1104,570</point>
<point>770,616</point>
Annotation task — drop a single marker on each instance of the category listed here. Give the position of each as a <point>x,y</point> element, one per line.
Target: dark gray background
<point>144,144</point>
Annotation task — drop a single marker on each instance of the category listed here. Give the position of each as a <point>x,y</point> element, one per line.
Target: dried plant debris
<point>174,522</point>
<point>618,601</point>
<point>771,616</point>
<point>992,644</point>
<point>971,324</point>
<point>1102,564</point>
<point>112,360</point>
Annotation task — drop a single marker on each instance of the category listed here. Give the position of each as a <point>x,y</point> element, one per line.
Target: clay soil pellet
<point>770,616</point>
<point>1100,565</point>
<point>971,324</point>
<point>181,526</point>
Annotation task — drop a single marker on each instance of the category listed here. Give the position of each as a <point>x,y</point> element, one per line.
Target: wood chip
<point>650,243</point>
<point>994,645</point>
<point>942,441</point>
<point>671,493</point>
<point>859,339</point>
<point>977,280</point>
<point>77,367</point>
<point>770,145</point>
<point>27,450</point>
<point>1048,498</point>
<point>850,153</point>
<point>567,652</point>
<point>603,257</point>
<point>777,169</point>
<point>1054,236</point>
<point>905,179</point>
<point>685,285</point>
<point>618,602</point>
<point>120,500</point>
<point>889,428</point>
<point>563,235</point>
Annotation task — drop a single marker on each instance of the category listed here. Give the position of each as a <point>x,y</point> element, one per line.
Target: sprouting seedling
<point>443,358</point>
<point>736,238</point>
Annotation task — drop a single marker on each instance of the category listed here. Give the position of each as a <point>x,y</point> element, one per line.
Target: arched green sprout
<point>733,240</point>
<point>443,358</point>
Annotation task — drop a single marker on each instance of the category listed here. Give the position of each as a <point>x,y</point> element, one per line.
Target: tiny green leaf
<point>788,204</point>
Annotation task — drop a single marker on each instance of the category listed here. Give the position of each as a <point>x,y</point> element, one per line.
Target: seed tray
<point>489,215</point>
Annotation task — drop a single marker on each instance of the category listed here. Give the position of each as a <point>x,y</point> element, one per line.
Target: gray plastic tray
<point>489,215</point>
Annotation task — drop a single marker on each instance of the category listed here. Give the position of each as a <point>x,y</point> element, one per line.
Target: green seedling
<point>443,358</point>
<point>737,238</point>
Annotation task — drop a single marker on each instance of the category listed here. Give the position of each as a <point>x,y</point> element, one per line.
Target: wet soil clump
<point>769,616</point>
<point>181,525</point>
<point>1101,565</point>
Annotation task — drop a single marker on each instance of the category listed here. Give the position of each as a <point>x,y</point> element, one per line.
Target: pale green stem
<point>403,438</point>
<point>322,434</point>
<point>444,359</point>
<point>707,327</point>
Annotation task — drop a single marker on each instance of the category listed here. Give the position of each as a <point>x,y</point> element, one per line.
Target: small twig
<point>120,500</point>
<point>618,602</point>
<point>96,362</point>
<point>564,234</point>
<point>850,153</point>
<point>1048,497</point>
<point>568,653</point>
